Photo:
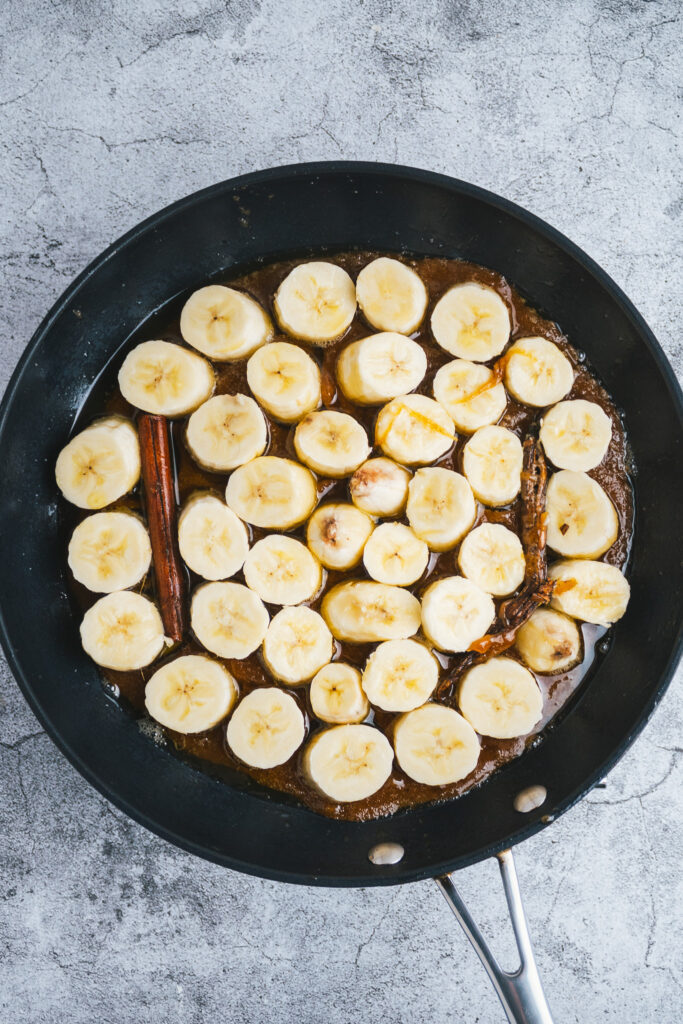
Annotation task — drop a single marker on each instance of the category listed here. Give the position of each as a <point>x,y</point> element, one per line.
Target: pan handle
<point>520,991</point>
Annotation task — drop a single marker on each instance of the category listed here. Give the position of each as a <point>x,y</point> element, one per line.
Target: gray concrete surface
<point>108,111</point>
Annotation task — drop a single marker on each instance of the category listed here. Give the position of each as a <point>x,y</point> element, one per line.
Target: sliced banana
<point>316,302</point>
<point>266,728</point>
<point>576,435</point>
<point>191,694</point>
<point>500,698</point>
<point>122,631</point>
<point>550,642</point>
<point>109,551</point>
<point>492,462</point>
<point>441,507</point>
<point>492,557</point>
<point>348,762</point>
<point>273,493</point>
<point>165,379</point>
<point>391,295</point>
<point>394,554</point>
<point>226,432</point>
<point>455,613</point>
<point>213,542</point>
<point>331,443</point>
<point>537,372</point>
<point>281,570</point>
<point>383,366</point>
<point>99,465</point>
<point>582,522</point>
<point>591,591</point>
<point>223,323</point>
<point>435,745</point>
<point>380,487</point>
<point>337,696</point>
<point>284,380</point>
<point>400,675</point>
<point>414,430</point>
<point>297,644</point>
<point>336,534</point>
<point>471,321</point>
<point>470,394</point>
<point>228,619</point>
<point>363,612</point>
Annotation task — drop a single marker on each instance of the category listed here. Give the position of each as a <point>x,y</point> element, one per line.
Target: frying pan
<point>228,229</point>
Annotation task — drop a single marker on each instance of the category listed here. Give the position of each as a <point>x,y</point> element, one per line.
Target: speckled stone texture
<point>111,110</point>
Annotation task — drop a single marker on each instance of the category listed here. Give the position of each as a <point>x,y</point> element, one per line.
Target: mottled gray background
<point>110,110</point>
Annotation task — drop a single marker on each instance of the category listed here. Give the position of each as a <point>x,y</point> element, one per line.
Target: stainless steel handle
<point>520,991</point>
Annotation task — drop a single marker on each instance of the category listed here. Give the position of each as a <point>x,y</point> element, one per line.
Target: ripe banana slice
<point>435,745</point>
<point>273,493</point>
<point>336,534</point>
<point>212,540</point>
<point>383,366</point>
<point>281,570</point>
<point>455,613</point>
<point>391,295</point>
<point>297,645</point>
<point>400,675</point>
<point>576,435</point>
<point>165,379</point>
<point>191,694</point>
<point>100,464</point>
<point>414,430</point>
<point>471,321</point>
<point>266,728</point>
<point>441,507</point>
<point>348,762</point>
<point>226,432</point>
<point>109,551</point>
<point>331,443</point>
<point>337,695</point>
<point>228,619</point>
<point>394,554</point>
<point>492,462</point>
<point>500,698</point>
<point>316,302</point>
<point>591,591</point>
<point>361,612</point>
<point>582,521</point>
<point>537,372</point>
<point>284,380</point>
<point>469,394</point>
<point>550,642</point>
<point>122,631</point>
<point>492,557</point>
<point>380,487</point>
<point>223,323</point>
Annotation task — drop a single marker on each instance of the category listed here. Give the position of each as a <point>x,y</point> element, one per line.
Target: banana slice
<point>435,745</point>
<point>223,323</point>
<point>212,540</point>
<point>576,435</point>
<point>400,675</point>
<point>383,366</point>
<point>122,631</point>
<point>191,694</point>
<point>100,464</point>
<point>391,295</point>
<point>284,380</point>
<point>348,762</point>
<point>266,728</point>
<point>297,645</point>
<point>165,379</point>
<point>226,432</point>
<point>361,612</point>
<point>380,487</point>
<point>336,534</point>
<point>441,507</point>
<point>492,557</point>
<point>471,321</point>
<point>500,698</point>
<point>337,695</point>
<point>469,394</point>
<point>550,642</point>
<point>455,613</point>
<point>228,619</point>
<point>591,591</point>
<point>331,443</point>
<point>414,430</point>
<point>109,551</point>
<point>394,554</point>
<point>492,462</point>
<point>316,302</point>
<point>537,372</point>
<point>273,493</point>
<point>582,521</point>
<point>281,570</point>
